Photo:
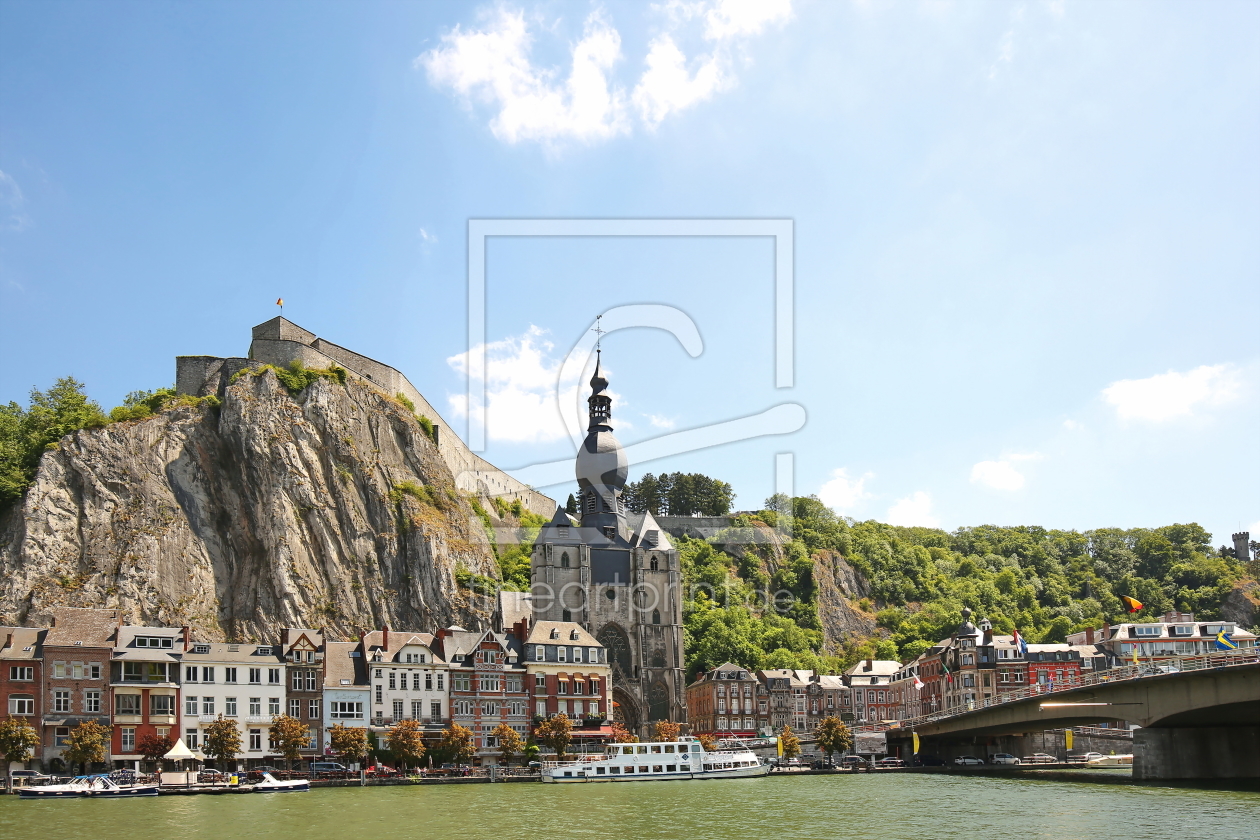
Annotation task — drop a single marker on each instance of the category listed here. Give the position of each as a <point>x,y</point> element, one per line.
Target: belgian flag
<point>1132,603</point>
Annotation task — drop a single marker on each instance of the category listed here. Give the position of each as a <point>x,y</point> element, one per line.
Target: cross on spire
<point>599,333</point>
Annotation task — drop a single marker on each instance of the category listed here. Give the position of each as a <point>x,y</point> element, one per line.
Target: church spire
<point>600,411</point>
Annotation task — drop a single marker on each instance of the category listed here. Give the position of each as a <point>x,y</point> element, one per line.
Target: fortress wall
<point>279,342</point>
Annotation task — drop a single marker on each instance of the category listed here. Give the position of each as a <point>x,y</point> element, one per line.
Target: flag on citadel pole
<point>279,301</point>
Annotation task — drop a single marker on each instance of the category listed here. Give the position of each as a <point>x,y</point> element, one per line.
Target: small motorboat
<point>1112,761</point>
<point>270,784</point>
<point>101,786</point>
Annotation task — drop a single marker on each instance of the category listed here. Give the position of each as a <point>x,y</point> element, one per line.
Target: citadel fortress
<point>280,342</point>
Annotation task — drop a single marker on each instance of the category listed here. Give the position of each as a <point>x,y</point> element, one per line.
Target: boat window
<point>640,750</point>
<point>669,748</point>
<point>656,748</point>
<point>627,750</point>
<point>683,748</point>
<point>671,768</point>
<point>599,771</point>
<point>708,767</point>
<point>656,768</point>
<point>567,773</point>
<point>616,771</point>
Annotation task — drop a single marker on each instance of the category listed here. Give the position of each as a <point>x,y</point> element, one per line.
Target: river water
<point>883,807</point>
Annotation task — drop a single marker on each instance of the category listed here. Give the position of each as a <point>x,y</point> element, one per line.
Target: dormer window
<point>201,648</point>
<point>263,650</point>
<point>555,633</point>
<point>573,636</point>
<point>1147,630</point>
<point>610,531</point>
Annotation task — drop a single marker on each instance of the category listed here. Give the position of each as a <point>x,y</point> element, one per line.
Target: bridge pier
<point>1199,752</point>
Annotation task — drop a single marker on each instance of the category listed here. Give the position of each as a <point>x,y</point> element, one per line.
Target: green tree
<point>833,736</point>
<point>25,434</point>
<point>18,740</point>
<point>509,740</point>
<point>222,742</point>
<point>457,743</point>
<point>290,736</point>
<point>570,506</point>
<point>349,743</point>
<point>86,745</point>
<point>406,742</point>
<point>556,732</point>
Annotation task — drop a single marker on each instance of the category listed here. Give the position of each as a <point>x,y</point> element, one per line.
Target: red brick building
<point>723,702</point>
<point>302,650</point>
<point>487,684</point>
<point>568,673</point>
<point>77,651</point>
<point>21,672</point>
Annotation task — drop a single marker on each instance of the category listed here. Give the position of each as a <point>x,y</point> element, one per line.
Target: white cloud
<point>999,475</point>
<point>426,237</point>
<point>1166,396</point>
<point>915,509</point>
<point>1072,425</point>
<point>522,378</point>
<point>494,64</point>
<point>843,493</point>
<point>661,422</point>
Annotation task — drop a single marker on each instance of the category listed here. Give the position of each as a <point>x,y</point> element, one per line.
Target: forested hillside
<point>1047,583</point>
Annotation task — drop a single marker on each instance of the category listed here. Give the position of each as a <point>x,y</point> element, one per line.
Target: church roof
<point>643,526</point>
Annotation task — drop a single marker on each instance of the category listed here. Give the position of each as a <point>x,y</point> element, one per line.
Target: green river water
<point>887,807</point>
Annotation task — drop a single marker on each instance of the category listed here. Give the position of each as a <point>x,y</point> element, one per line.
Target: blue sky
<point>1026,254</point>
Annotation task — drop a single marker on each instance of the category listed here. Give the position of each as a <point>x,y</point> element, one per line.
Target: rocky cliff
<point>327,508</point>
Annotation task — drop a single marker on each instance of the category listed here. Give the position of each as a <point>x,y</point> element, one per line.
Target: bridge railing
<point>1223,659</point>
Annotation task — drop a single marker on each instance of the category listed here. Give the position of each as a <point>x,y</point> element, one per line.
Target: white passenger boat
<point>270,784</point>
<point>663,761</point>
<point>1112,761</point>
<point>88,786</point>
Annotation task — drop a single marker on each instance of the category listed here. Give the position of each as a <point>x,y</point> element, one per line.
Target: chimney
<point>284,637</point>
<point>870,665</point>
<point>186,630</point>
<point>385,637</point>
<point>1106,632</point>
<point>1089,635</point>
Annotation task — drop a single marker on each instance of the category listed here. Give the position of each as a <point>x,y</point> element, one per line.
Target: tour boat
<point>658,761</point>
<point>270,784</point>
<point>101,786</point>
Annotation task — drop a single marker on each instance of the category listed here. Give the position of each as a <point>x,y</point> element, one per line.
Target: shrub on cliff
<point>26,433</point>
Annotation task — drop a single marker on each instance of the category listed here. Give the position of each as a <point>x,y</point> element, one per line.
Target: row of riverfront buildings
<point>138,681</point>
<point>971,667</point>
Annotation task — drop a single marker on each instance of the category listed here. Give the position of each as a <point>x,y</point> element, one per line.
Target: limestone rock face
<point>328,509</point>
<point>1242,604</point>
<point>839,585</point>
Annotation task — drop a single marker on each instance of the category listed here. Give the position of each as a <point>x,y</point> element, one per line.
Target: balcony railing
<point>426,722</point>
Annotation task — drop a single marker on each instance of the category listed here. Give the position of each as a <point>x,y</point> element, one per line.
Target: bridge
<point>1202,721</point>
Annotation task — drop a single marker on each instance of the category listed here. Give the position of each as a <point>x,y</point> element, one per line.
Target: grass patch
<point>297,377</point>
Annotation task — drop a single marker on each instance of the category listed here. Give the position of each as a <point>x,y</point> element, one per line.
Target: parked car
<point>1003,758</point>
<point>822,764</point>
<point>793,762</point>
<point>852,761</point>
<point>328,768</point>
<point>1082,758</point>
<point>890,761</point>
<point>928,761</point>
<point>967,759</point>
<point>1040,758</point>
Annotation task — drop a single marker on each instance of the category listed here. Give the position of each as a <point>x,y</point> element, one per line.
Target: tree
<point>153,746</point>
<point>86,745</point>
<point>666,730</point>
<point>223,741</point>
<point>289,735</point>
<point>18,740</point>
<point>707,741</point>
<point>679,494</point>
<point>350,743</point>
<point>457,743</point>
<point>621,735</point>
<point>530,752</point>
<point>25,434</point>
<point>509,740</point>
<point>570,505</point>
<point>791,744</point>
<point>406,742</point>
<point>833,736</point>
<point>556,732</point>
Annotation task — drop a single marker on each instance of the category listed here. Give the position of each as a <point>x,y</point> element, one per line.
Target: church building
<point>617,574</point>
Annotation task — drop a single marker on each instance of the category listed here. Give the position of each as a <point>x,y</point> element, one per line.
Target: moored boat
<point>101,786</point>
<point>664,761</point>
<point>270,784</point>
<point>1112,761</point>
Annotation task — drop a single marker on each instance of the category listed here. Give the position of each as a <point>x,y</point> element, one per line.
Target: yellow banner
<point>1067,738</point>
<point>916,742</point>
<point>779,743</point>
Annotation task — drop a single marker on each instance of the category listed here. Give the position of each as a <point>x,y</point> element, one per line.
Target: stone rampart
<point>279,342</point>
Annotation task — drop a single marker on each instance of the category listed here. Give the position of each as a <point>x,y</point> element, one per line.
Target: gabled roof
<point>878,668</point>
<point>343,668</point>
<point>541,633</point>
<point>462,643</point>
<point>373,643</point>
<point>514,606</point>
<point>90,628</point>
<point>644,526</point>
<point>19,639</point>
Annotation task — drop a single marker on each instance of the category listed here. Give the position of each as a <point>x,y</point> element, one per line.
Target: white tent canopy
<point>179,752</point>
